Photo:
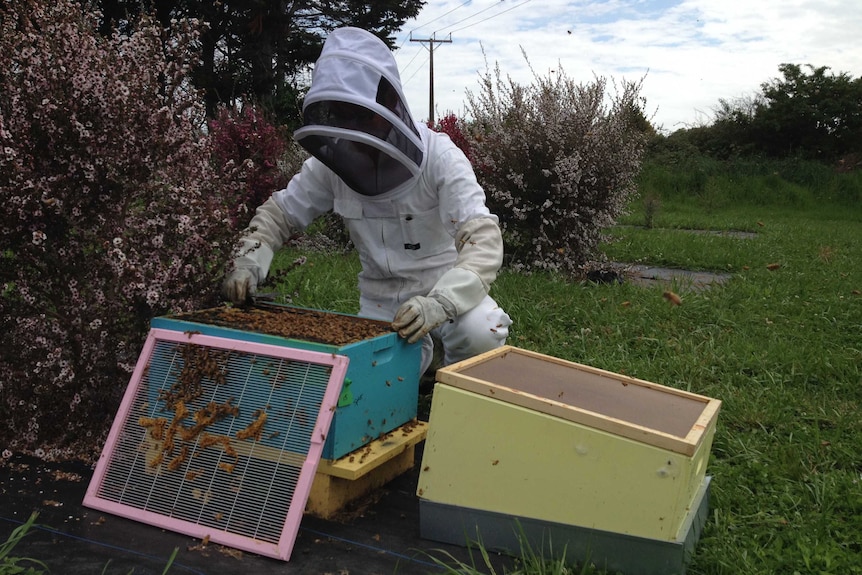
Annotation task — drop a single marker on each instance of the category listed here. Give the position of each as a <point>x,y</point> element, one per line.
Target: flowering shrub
<point>111,213</point>
<point>558,162</point>
<point>240,136</point>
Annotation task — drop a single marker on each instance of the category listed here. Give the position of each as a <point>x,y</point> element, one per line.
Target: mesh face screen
<point>219,438</point>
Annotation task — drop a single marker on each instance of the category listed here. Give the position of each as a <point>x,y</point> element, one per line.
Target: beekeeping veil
<point>355,118</point>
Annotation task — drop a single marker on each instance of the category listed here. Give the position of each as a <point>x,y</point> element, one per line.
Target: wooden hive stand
<point>344,480</point>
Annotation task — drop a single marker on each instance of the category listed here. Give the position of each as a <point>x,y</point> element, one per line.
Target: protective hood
<point>355,117</point>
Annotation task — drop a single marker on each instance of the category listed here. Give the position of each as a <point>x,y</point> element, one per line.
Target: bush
<point>246,135</point>
<point>558,162</point>
<point>111,213</point>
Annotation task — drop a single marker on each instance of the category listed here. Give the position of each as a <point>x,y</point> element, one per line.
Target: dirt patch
<point>650,276</point>
<point>738,234</point>
<point>292,323</point>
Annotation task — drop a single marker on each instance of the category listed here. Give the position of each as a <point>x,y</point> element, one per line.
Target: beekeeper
<point>428,245</point>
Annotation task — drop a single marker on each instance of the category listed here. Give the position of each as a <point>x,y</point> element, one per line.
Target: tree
<point>261,50</point>
<point>817,115</point>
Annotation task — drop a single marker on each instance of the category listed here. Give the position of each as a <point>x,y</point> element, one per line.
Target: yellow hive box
<point>521,434</point>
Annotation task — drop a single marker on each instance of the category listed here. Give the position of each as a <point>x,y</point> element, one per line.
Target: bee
<point>254,428</point>
<point>177,461</point>
<point>157,460</point>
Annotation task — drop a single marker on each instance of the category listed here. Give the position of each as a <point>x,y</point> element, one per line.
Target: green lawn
<point>781,348</point>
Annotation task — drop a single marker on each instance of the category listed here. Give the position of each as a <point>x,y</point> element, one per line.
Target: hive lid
<point>662,416</point>
<point>219,439</point>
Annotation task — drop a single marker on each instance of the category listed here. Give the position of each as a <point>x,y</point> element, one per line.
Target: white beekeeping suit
<point>428,245</point>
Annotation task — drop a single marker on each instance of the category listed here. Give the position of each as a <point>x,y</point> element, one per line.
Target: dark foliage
<point>261,51</point>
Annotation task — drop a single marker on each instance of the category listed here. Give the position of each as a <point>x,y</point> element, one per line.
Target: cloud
<point>690,53</point>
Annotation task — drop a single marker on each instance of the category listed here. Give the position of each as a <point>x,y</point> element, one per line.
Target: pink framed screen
<point>219,438</point>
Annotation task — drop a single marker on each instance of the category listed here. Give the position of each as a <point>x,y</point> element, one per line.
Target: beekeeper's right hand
<point>239,286</point>
<point>266,233</point>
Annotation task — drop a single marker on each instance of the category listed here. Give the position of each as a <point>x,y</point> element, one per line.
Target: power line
<point>471,16</point>
<point>488,18</point>
<point>407,65</point>
<point>405,82</point>
<point>442,15</point>
<point>435,19</point>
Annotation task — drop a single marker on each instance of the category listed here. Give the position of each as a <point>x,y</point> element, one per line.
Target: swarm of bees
<point>173,440</point>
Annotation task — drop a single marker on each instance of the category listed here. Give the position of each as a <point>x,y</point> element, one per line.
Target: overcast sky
<point>690,53</point>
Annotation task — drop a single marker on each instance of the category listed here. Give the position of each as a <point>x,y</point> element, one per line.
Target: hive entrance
<point>219,438</point>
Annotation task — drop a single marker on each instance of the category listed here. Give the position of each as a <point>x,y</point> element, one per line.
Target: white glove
<point>239,285</point>
<point>418,316</point>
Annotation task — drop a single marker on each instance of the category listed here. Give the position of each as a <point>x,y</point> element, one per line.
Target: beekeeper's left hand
<point>417,317</point>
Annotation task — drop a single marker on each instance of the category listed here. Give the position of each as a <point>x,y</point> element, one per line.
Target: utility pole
<point>431,41</point>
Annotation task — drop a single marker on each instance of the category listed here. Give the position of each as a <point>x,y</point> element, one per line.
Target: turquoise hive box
<point>381,386</point>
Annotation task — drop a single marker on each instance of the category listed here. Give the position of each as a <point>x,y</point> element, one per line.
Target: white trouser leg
<point>483,328</point>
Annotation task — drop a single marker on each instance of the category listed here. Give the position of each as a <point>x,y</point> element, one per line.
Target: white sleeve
<point>268,230</point>
<point>480,255</point>
<point>477,234</point>
<point>285,213</point>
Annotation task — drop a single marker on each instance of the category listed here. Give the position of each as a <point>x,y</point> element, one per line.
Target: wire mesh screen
<point>219,438</point>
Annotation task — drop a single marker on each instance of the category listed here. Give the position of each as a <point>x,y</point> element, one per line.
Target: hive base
<point>341,481</point>
<point>615,552</point>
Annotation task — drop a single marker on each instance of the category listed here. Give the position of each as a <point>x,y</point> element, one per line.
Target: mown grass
<point>781,347</point>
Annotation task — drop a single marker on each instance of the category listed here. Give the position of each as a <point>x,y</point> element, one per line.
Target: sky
<point>689,54</point>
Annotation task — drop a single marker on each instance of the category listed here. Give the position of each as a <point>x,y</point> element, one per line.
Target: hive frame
<point>124,455</point>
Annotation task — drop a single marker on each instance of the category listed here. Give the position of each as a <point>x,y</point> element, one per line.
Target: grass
<point>530,561</point>
<point>782,348</point>
<point>10,565</point>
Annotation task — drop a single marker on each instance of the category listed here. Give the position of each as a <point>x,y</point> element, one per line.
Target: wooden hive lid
<point>633,408</point>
